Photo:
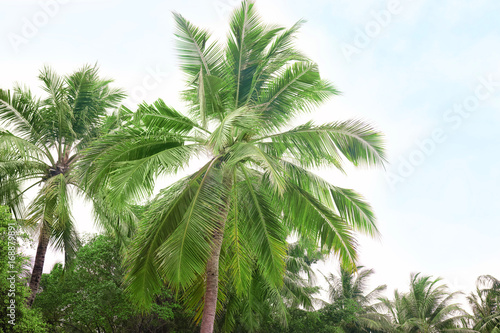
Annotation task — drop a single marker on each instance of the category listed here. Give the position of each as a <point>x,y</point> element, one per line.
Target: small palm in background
<point>350,302</point>
<point>485,303</point>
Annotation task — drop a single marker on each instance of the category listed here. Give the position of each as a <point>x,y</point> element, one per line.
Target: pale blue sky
<point>436,205</point>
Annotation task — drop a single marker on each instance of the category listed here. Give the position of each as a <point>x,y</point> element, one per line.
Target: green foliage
<point>351,309</point>
<point>485,303</point>
<point>13,290</point>
<point>89,296</point>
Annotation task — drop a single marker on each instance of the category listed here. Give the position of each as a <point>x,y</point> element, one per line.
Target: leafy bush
<point>89,296</point>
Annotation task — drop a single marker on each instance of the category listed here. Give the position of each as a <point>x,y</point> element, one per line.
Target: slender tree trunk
<point>36,275</point>
<point>212,279</point>
<point>208,319</point>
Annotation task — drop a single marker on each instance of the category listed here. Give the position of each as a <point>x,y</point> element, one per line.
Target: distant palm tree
<point>426,308</point>
<point>485,305</point>
<point>300,279</point>
<point>234,214</point>
<point>348,292</point>
<point>40,141</point>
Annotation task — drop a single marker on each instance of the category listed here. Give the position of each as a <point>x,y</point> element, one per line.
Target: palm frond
<point>240,120</point>
<point>267,232</point>
<point>309,216</point>
<point>279,52</point>
<point>237,252</point>
<point>22,149</point>
<point>247,42</point>
<point>52,207</point>
<point>160,116</point>
<point>128,161</point>
<point>89,98</point>
<point>19,113</point>
<point>345,202</point>
<point>297,89</point>
<point>325,144</point>
<point>121,223</point>
<point>56,108</point>
<point>173,240</point>
<point>193,50</point>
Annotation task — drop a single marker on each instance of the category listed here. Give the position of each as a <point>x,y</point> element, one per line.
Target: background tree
<point>255,187</point>
<point>426,308</point>
<point>485,303</point>
<point>352,308</point>
<point>40,141</point>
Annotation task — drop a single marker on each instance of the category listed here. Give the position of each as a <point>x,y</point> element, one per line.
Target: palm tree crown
<point>485,305</point>
<point>348,294</point>
<point>425,308</point>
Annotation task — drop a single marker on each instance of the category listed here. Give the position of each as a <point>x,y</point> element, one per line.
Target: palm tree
<point>347,294</point>
<point>425,308</point>
<point>485,305</point>
<point>299,282</point>
<point>236,211</point>
<point>40,141</point>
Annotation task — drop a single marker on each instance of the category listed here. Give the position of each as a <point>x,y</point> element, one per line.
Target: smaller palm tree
<point>485,305</point>
<point>40,141</point>
<point>426,308</point>
<point>347,292</point>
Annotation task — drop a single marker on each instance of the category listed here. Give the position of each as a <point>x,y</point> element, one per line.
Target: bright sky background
<point>424,73</point>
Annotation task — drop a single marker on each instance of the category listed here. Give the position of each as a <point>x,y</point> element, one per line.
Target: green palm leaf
<point>297,89</point>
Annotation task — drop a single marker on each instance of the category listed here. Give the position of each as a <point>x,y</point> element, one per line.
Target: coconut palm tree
<point>39,143</point>
<point>254,186</point>
<point>485,305</point>
<point>426,308</point>
<point>347,293</point>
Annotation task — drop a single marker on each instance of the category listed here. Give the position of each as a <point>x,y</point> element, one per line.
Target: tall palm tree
<point>40,141</point>
<point>254,188</point>
<point>348,292</point>
<point>425,308</point>
<point>485,305</point>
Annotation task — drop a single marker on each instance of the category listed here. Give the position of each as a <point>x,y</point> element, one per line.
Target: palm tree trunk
<point>212,279</point>
<point>36,275</point>
<point>212,288</point>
